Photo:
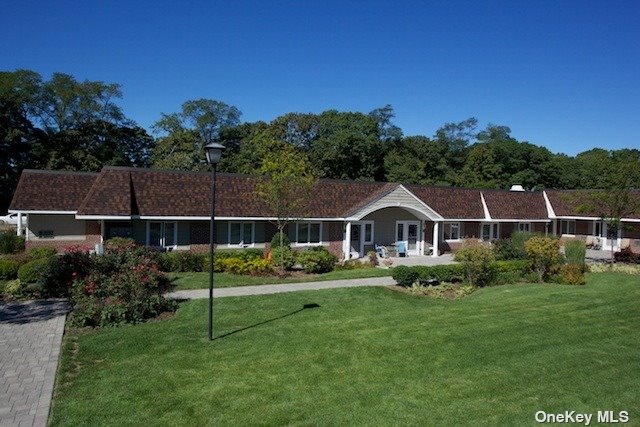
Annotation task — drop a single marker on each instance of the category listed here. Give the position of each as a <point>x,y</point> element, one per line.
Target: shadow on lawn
<point>304,307</point>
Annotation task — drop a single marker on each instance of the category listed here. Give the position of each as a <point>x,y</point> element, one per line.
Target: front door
<point>356,242</point>
<point>408,232</point>
<point>608,240</point>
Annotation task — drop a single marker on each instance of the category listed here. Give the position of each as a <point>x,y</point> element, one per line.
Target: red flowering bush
<point>123,285</point>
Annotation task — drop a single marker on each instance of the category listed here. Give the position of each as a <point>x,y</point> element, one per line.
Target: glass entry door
<point>408,232</point>
<point>355,246</point>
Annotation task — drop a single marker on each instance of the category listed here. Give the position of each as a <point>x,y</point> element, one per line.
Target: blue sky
<point>563,74</point>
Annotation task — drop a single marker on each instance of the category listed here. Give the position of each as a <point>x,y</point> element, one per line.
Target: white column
<point>26,229</point>
<point>555,227</point>
<point>19,226</point>
<point>347,242</point>
<point>102,231</point>
<point>436,239</point>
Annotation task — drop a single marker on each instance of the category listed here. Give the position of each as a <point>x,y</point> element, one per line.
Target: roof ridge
<point>59,172</point>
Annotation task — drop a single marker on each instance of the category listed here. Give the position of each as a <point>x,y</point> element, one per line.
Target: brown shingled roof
<point>504,204</point>
<point>149,192</point>
<point>451,202</point>
<point>40,190</point>
<point>572,203</point>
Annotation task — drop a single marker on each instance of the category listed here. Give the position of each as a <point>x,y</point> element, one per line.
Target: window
<point>524,226</point>
<point>368,233</point>
<point>451,231</point>
<point>162,234</point>
<point>241,233</point>
<point>490,231</point>
<point>45,234</point>
<point>568,227</point>
<point>308,233</point>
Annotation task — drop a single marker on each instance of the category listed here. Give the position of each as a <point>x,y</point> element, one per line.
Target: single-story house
<point>172,209</point>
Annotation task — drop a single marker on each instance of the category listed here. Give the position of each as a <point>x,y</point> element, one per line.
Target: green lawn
<point>364,356</point>
<point>225,280</point>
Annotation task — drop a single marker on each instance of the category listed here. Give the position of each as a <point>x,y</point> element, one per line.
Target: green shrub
<point>283,258</point>
<point>42,252</point>
<point>275,240</point>
<point>513,247</point>
<point>10,243</point>
<point>317,260</point>
<point>478,262</point>
<point>254,267</point>
<point>575,252</point>
<point>8,269</point>
<point>182,261</point>
<point>572,274</point>
<point>31,272</point>
<point>544,253</point>
<point>405,276</point>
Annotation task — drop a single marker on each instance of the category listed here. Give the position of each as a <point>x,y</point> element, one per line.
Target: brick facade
<point>92,238</point>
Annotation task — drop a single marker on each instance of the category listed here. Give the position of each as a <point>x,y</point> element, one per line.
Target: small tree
<point>286,185</point>
<point>544,253</point>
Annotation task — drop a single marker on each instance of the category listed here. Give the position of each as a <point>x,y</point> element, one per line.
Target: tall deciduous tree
<point>480,170</point>
<point>287,184</point>
<point>183,135</point>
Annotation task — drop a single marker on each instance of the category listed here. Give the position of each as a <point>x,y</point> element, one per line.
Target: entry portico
<point>396,216</point>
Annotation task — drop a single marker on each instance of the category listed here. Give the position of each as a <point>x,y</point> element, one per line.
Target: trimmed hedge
<point>406,276</point>
<point>182,261</point>
<point>520,266</point>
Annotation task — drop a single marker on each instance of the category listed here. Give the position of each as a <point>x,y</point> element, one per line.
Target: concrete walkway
<point>30,338</point>
<point>285,287</point>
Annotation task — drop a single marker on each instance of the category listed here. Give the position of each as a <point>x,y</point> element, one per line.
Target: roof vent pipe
<point>517,187</point>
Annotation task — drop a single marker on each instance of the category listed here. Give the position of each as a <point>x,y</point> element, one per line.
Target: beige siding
<point>64,227</point>
<point>384,227</point>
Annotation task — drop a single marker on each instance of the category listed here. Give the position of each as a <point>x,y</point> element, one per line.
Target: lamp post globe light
<point>213,151</point>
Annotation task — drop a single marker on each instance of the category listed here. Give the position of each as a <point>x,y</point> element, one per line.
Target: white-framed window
<point>162,234</point>
<point>598,229</point>
<point>367,227</point>
<point>490,231</point>
<point>241,233</point>
<point>451,231</point>
<point>524,226</point>
<point>568,227</point>
<point>308,233</point>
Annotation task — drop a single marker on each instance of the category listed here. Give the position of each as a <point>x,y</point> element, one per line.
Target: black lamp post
<point>213,151</point>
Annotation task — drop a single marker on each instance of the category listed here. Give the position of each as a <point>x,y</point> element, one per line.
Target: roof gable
<point>451,202</point>
<point>503,204</point>
<point>395,195</point>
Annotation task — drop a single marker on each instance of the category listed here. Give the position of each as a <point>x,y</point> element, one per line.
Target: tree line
<point>66,124</point>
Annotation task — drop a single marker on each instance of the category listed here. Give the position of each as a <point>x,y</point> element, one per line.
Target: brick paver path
<point>30,338</point>
<point>285,287</point>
